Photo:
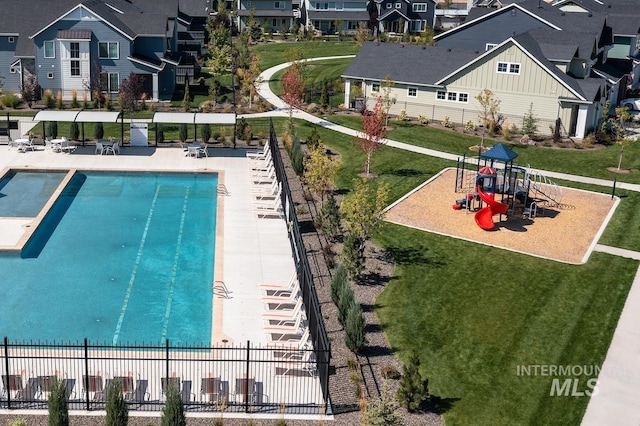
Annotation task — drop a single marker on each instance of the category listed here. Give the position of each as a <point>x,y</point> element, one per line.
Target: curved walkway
<point>619,380</point>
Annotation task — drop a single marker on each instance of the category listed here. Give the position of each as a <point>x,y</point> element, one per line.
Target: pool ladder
<point>220,289</point>
<point>222,190</point>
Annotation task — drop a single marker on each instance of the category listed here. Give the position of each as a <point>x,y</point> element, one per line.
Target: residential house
<point>83,45</point>
<point>330,17</point>
<point>273,15</point>
<point>440,81</point>
<point>401,16</point>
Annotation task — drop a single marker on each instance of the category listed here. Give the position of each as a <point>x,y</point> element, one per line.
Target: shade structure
<point>98,116</point>
<point>174,117</point>
<point>210,118</point>
<point>56,116</point>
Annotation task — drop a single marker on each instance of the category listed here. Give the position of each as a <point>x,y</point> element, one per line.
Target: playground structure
<point>522,190</point>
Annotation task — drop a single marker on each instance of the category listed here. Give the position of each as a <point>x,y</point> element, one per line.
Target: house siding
<point>11,81</point>
<point>494,30</point>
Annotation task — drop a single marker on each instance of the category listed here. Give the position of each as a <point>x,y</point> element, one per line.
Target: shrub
<point>182,132</point>
<point>49,100</point>
<point>160,133</point>
<point>117,414</point>
<point>403,116</point>
<point>470,126</point>
<point>59,103</point>
<point>205,132</point>
<point>423,119</point>
<point>446,122</point>
<point>19,421</point>
<point>297,157</point>
<point>355,328</point>
<point>52,129</point>
<point>339,280</point>
<point>85,100</point>
<point>98,131</point>
<point>382,411</point>
<point>413,389</point>
<point>74,98</point>
<point>507,133</point>
<point>353,255</point>
<point>107,104</point>
<point>240,128</point>
<point>74,131</point>
<point>313,140</point>
<point>329,218</point>
<point>248,133</point>
<point>173,410</point>
<point>390,372</point>
<point>11,100</point>
<point>58,409</point>
<point>346,298</point>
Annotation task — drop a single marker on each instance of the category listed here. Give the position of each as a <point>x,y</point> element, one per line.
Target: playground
<point>566,232</point>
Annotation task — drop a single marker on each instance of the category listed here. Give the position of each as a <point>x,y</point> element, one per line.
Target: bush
<point>353,255</point>
<point>403,116</point>
<point>313,140</point>
<point>423,119</point>
<point>49,99</point>
<point>339,280</point>
<point>52,129</point>
<point>241,128</point>
<point>446,122</point>
<point>355,328</point>
<point>160,134</point>
<point>413,389</point>
<point>74,131</point>
<point>59,103</point>
<point>117,414</point>
<point>182,132</point>
<point>205,132</point>
<point>469,126</point>
<point>11,100</point>
<point>18,422</point>
<point>346,298</point>
<point>74,98</point>
<point>173,410</point>
<point>297,157</point>
<point>58,409</point>
<point>98,131</point>
<point>329,218</point>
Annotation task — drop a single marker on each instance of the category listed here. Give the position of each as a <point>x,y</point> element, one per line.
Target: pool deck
<point>254,250</point>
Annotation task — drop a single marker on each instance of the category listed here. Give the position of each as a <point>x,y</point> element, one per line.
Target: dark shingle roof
<point>420,65</point>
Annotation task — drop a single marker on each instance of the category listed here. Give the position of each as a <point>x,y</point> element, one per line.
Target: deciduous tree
<point>372,138</point>
<point>387,100</point>
<point>293,88</point>
<point>30,89</point>
<point>320,171</point>
<point>490,116</point>
<point>131,89</point>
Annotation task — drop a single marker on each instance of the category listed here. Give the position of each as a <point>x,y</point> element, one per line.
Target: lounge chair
<point>30,391</point>
<point>262,163</point>
<point>140,394</point>
<point>297,368</point>
<point>265,199</point>
<point>69,385</point>
<point>67,146</point>
<point>245,389</point>
<point>285,326</point>
<point>273,208</point>
<point>290,298</point>
<point>11,383</point>
<point>266,189</point>
<point>99,148</point>
<point>93,386</point>
<point>260,154</point>
<point>215,391</point>
<point>270,289</point>
<point>297,339</point>
<point>283,311</point>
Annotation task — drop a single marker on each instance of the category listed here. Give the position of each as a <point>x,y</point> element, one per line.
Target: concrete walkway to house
<point>619,379</point>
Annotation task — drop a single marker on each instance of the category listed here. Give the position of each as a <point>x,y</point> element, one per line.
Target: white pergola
<point>195,118</point>
<point>81,117</point>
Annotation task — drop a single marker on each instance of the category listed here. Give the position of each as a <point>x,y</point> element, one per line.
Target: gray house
<point>400,16</point>
<point>273,15</point>
<point>88,45</point>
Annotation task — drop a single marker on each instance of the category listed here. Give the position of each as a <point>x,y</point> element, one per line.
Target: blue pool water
<point>24,194</point>
<point>119,258</point>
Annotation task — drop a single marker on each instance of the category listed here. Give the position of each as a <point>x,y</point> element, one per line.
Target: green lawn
<point>474,312</point>
<point>272,54</point>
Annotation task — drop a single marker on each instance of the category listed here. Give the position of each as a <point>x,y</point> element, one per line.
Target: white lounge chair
<point>99,148</point>
<point>67,146</point>
<point>272,208</point>
<point>261,154</point>
<point>284,310</point>
<point>275,289</point>
<point>298,367</point>
<point>285,326</point>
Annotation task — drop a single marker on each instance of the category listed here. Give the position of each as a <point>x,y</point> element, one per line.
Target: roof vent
<point>590,15</point>
<point>449,50</point>
<point>562,14</point>
<point>476,52</point>
<point>424,47</point>
<point>377,43</point>
<point>402,45</point>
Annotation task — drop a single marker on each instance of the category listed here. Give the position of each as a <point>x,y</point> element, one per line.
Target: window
<point>419,7</point>
<point>452,96</point>
<point>110,82</point>
<point>278,5</point>
<point>249,5</point>
<point>389,5</point>
<point>489,46</point>
<point>322,6</point>
<point>74,50</point>
<point>412,92</point>
<point>274,23</point>
<point>339,6</point>
<point>12,70</point>
<point>352,25</point>
<point>418,26</point>
<point>398,5</point>
<point>440,94</point>
<point>463,97</point>
<point>11,39</point>
<point>75,68</point>
<point>508,68</point>
<point>49,49</point>
<point>50,75</point>
<point>108,50</point>
<point>375,87</point>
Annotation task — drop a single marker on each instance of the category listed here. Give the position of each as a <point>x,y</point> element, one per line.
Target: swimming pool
<point>120,257</point>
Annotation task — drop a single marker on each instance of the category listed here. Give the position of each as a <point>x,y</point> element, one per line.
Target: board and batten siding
<point>516,92</point>
<point>11,80</point>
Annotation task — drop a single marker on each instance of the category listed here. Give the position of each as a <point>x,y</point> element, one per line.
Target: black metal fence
<point>246,379</point>
<point>317,330</point>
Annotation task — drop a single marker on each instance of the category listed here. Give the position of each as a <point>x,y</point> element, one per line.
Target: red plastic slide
<point>484,216</point>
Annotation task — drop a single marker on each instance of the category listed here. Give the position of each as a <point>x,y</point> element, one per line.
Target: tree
<point>355,328</point>
<point>381,411</point>
<point>186,99</point>
<point>619,130</point>
<point>324,95</point>
<point>529,122</point>
<point>353,256</point>
<point>52,129</point>
<point>173,410</point>
<point>490,116</point>
<point>339,24</point>
<point>98,131</point>
<point>426,36</point>
<point>362,34</point>
<point>58,409</point>
<point>313,140</point>
<point>117,414</point>
<point>293,88</point>
<point>319,171</point>
<point>74,131</point>
<point>182,132</point>
<point>363,210</point>
<point>346,298</point>
<point>131,89</point>
<point>372,138</point>
<point>329,218</point>
<point>387,100</point>
<point>252,80</point>
<point>220,58</point>
<point>241,53</point>
<point>413,388</point>
<point>30,90</point>
<point>339,280</point>
<point>253,26</point>
<point>205,132</point>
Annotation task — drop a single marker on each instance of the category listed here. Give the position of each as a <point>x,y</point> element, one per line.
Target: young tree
<point>372,138</point>
<point>381,411</point>
<point>252,80</point>
<point>329,218</point>
<point>319,171</point>
<point>182,132</point>
<point>355,328</point>
<point>353,256</point>
<point>253,26</point>
<point>426,37</point>
<point>339,280</point>
<point>413,388</point>
<point>529,122</point>
<point>186,99</point>
<point>131,89</point>
<point>52,129</point>
<point>387,100</point>
<point>619,130</point>
<point>173,411</point>
<point>362,34</point>
<point>363,210</point>
<point>293,88</point>
<point>30,90</point>
<point>220,58</point>
<point>205,132</point>
<point>117,414</point>
<point>490,116</point>
<point>74,131</point>
<point>58,409</point>
<point>98,131</point>
<point>313,140</point>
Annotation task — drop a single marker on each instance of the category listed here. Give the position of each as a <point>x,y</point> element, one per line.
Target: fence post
<point>613,190</point>
<point>246,387</point>
<point>6,359</point>
<point>86,372</point>
<point>167,362</point>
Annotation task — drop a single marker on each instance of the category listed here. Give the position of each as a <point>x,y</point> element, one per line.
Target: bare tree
<point>131,90</point>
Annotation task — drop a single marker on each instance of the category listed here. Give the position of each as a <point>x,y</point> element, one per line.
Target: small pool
<point>24,193</point>
<point>120,257</point>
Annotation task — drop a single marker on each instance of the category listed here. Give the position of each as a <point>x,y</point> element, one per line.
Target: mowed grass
<point>272,54</point>
<point>315,73</point>
<point>474,313</point>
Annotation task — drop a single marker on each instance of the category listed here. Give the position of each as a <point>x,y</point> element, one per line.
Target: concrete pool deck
<point>253,250</point>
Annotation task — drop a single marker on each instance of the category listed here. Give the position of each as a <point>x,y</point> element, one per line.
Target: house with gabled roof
<point>87,45</point>
<point>401,16</point>
<point>438,82</point>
